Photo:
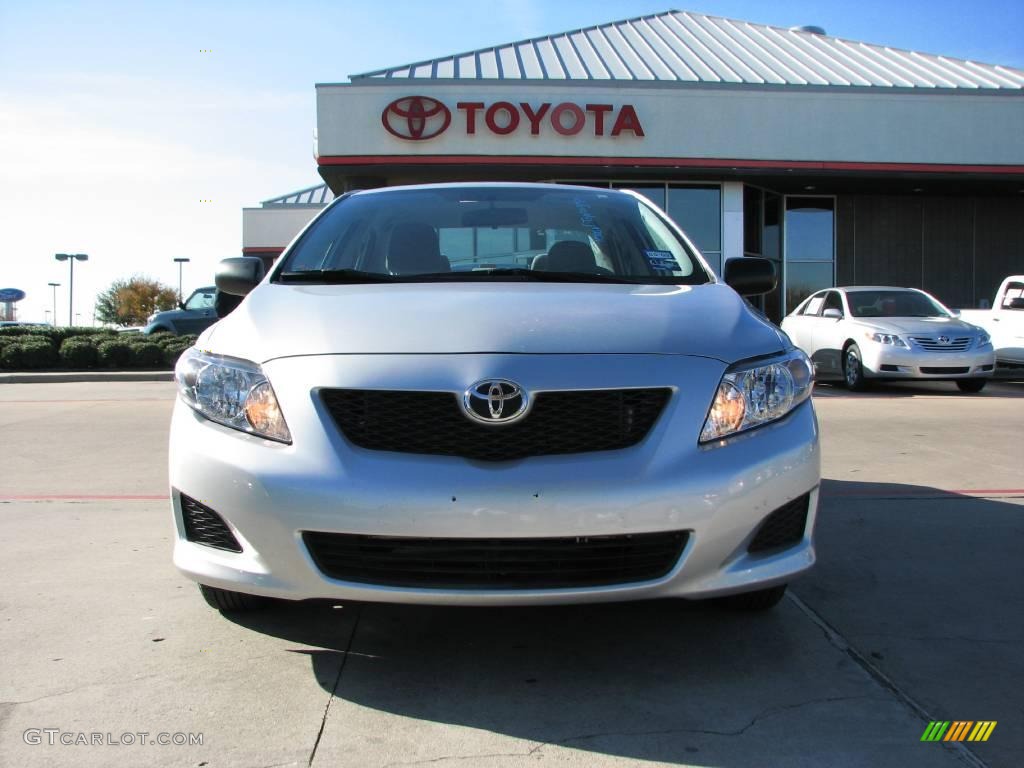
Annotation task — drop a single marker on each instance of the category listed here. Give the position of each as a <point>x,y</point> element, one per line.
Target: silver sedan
<point>857,334</point>
<point>493,394</point>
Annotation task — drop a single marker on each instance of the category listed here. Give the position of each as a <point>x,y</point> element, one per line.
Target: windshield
<point>1014,293</point>
<point>894,304</point>
<point>201,299</point>
<point>491,233</point>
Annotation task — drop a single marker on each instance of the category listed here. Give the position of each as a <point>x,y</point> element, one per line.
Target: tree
<point>132,301</point>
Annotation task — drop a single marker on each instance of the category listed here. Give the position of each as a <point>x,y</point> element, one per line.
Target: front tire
<point>853,369</point>
<point>971,385</point>
<point>226,601</point>
<point>761,600</point>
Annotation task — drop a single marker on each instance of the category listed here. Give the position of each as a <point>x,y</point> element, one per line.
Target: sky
<point>115,121</point>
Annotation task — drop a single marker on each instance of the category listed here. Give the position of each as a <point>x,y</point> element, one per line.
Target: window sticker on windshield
<point>587,219</point>
<point>662,262</point>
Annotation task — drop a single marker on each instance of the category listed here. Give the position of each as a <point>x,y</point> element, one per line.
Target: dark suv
<point>195,315</point>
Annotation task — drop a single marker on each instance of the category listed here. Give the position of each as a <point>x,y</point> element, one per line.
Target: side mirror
<point>832,313</point>
<point>750,276</point>
<point>239,275</point>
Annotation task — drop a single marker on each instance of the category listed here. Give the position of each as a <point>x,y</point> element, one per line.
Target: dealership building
<point>843,162</point>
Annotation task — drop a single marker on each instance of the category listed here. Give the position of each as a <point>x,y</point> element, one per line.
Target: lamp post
<point>55,286</point>
<point>71,258</point>
<point>180,262</point>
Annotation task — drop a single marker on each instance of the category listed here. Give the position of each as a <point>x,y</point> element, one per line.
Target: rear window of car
<point>477,231</point>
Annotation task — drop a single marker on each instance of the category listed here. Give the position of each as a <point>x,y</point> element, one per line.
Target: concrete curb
<point>63,377</point>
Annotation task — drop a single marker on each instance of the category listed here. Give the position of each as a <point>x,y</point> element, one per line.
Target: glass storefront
<point>762,236</point>
<point>810,247</point>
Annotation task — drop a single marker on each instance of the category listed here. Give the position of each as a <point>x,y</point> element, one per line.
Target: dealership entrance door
<point>796,233</point>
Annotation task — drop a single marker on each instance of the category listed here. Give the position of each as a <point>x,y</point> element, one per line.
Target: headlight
<point>886,338</point>
<point>752,395</point>
<point>232,392</point>
<point>983,339</point>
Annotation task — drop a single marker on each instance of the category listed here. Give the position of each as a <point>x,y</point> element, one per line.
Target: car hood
<point>279,320</point>
<point>919,326</point>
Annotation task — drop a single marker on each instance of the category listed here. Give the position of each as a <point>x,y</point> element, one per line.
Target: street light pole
<point>181,262</point>
<point>55,286</point>
<point>71,258</point>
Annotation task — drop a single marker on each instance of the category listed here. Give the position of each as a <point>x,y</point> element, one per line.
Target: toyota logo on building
<point>495,401</point>
<point>416,118</point>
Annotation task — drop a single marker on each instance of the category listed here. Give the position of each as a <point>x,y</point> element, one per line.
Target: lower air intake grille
<point>585,561</point>
<point>946,371</point>
<point>204,526</point>
<point>782,528</point>
<point>575,421</point>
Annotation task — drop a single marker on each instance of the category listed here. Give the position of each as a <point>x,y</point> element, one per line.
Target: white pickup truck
<point>1004,322</point>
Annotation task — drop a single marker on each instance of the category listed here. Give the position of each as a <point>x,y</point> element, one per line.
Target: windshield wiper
<point>335,276</point>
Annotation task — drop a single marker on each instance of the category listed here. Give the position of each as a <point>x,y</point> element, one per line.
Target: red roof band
<point>665,162</point>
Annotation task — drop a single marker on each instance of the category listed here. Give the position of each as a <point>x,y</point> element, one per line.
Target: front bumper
<point>887,362</point>
<point>269,493</point>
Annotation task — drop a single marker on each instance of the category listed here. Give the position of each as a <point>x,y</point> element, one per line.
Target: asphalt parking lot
<point>914,613</point>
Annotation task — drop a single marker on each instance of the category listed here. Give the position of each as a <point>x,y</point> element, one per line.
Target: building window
<point>810,247</point>
<point>696,208</point>
<point>762,236</point>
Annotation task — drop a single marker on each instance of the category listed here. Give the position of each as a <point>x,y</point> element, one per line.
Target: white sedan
<point>868,332</point>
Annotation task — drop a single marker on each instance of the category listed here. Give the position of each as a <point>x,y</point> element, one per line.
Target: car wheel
<point>761,600</point>
<point>971,385</point>
<point>853,369</point>
<point>226,601</point>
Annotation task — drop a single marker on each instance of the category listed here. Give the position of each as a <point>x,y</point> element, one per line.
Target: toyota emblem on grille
<point>943,339</point>
<point>416,118</point>
<point>495,401</point>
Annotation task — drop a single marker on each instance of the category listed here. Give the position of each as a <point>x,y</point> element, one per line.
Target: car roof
<point>485,185</point>
<point>876,288</point>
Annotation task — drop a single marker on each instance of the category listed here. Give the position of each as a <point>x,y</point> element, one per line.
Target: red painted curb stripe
<point>937,493</point>
<point>668,162</point>
<point>85,497</point>
<point>168,399</point>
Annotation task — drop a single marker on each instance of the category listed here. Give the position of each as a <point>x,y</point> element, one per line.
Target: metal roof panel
<point>680,46</point>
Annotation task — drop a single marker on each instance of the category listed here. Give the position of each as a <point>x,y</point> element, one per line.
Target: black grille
<point>587,561</point>
<point>945,370</point>
<point>204,526</point>
<point>576,421</point>
<point>782,528</point>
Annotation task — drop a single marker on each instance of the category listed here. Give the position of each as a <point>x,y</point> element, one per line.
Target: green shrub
<point>79,352</point>
<point>35,353</point>
<point>10,356</point>
<point>173,351</point>
<point>115,353</point>
<point>148,355</point>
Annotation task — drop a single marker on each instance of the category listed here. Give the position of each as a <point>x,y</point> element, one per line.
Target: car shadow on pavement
<point>660,680</point>
<point>888,389</point>
<point>678,682</point>
<point>926,584</point>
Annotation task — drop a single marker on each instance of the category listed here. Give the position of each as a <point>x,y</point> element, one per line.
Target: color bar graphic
<point>958,730</point>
